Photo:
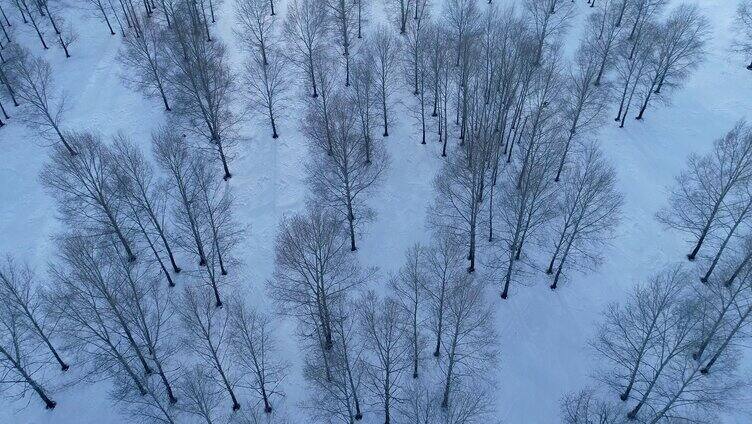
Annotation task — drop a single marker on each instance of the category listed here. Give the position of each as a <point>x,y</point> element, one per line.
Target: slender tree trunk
<point>48,403</point>
<point>727,341</point>
<point>738,269</point>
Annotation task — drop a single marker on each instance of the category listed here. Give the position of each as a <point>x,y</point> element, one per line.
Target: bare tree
<point>680,49</point>
<point>444,268</point>
<point>632,332</point>
<point>331,396</point>
<point>255,352</point>
<point>364,98</point>
<point>584,101</point>
<point>419,405</point>
<point>93,298</point>
<point>743,25</point>
<point>145,56</point>
<point>146,200</point>
<point>590,210</point>
<point>268,84</point>
<point>727,312</point>
<point>469,349</point>
<point>149,407</point>
<point>342,176</point>
<point>7,73</point>
<point>603,32</point>
<point>305,29</point>
<point>218,231</point>
<point>318,123</point>
<point>85,187</point>
<point>44,105</point>
<point>23,5</point>
<point>673,342</point>
<point>400,12</point>
<point>384,49</point>
<point>442,78</point>
<point>633,66</point>
<point>462,18</point>
<point>147,306</point>
<point>459,201</point>
<point>313,270</point>
<point>201,397</point>
<point>548,19</point>
<point>526,203</point>
<point>207,336</point>
<point>387,350</point>
<point>343,24</point>
<point>256,30</point>
<point>700,192</point>
<point>350,350</point>
<point>407,287</point>
<point>337,376</point>
<point>173,157</point>
<point>685,394</point>
<point>202,82</point>
<point>25,301</point>
<point>21,365</point>
<point>584,407</point>
<point>738,213</point>
<point>420,34</point>
<point>99,9</point>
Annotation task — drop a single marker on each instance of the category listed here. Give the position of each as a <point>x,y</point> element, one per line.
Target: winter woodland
<point>392,211</point>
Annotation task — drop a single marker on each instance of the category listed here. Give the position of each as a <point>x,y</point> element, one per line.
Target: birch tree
<point>591,207</point>
<point>697,198</point>
<point>145,57</point>
<point>469,351</point>
<point>26,303</point>
<point>342,177</point>
<point>387,351</point>
<point>255,351</point>
<point>202,82</point>
<point>207,336</point>
<point>313,269</point>
<point>407,287</point>
<point>305,29</point>
<point>385,50</point>
<point>44,105</point>
<point>85,187</point>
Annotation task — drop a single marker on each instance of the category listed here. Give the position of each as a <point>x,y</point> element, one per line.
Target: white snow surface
<point>542,334</point>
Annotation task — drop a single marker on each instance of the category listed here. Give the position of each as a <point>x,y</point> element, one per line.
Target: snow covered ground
<point>543,334</point>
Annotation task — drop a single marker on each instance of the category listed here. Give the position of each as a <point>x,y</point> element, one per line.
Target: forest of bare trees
<point>151,290</point>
